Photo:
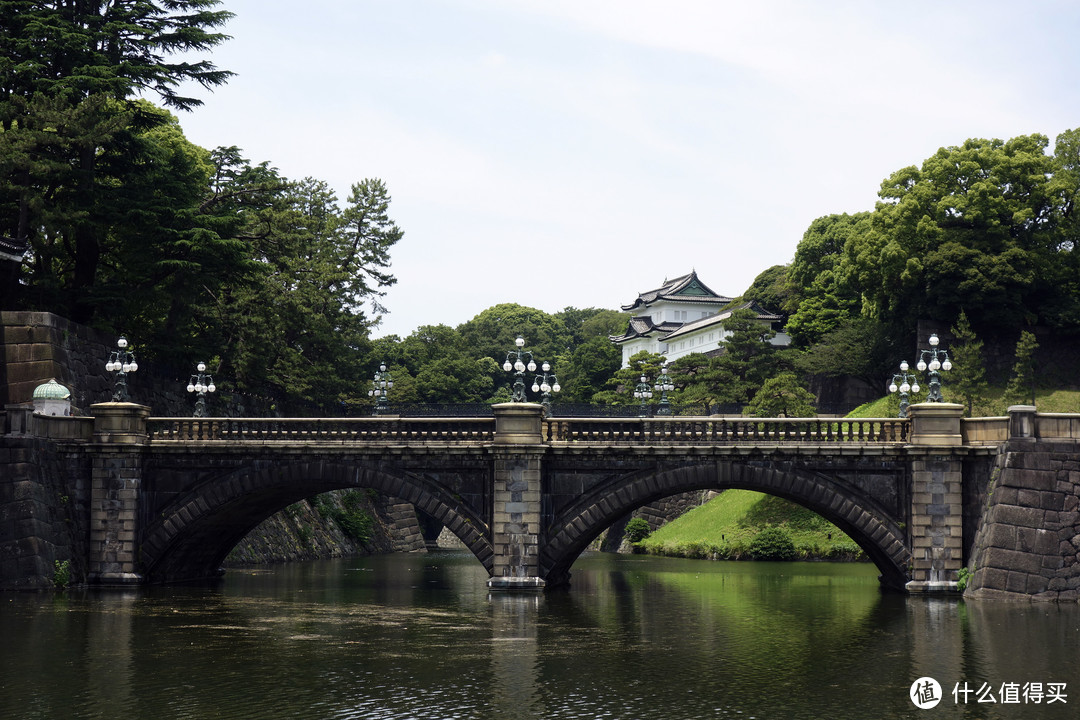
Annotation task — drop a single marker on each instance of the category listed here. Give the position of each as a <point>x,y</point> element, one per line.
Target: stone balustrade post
<point>1021,422</point>
<point>515,524</point>
<point>937,497</point>
<point>119,438</point>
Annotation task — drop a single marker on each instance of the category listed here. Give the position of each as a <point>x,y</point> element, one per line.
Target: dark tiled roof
<point>642,326</point>
<point>12,246</point>
<point>687,288</point>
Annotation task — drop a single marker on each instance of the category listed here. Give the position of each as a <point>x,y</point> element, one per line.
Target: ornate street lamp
<point>546,384</point>
<point>939,360</point>
<point>664,386</point>
<point>643,392</point>
<point>519,361</point>
<point>121,362</point>
<point>201,383</point>
<point>380,385</point>
<point>903,382</point>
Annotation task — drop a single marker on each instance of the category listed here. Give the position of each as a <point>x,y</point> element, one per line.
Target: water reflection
<point>514,653</point>
<point>417,636</point>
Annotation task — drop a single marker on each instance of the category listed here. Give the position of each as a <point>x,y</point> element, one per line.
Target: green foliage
<point>963,578</point>
<point>822,295</point>
<point>353,518</point>
<point>350,512</point>
<point>773,543</point>
<point>61,574</point>
<point>619,389</point>
<point>968,376</point>
<point>782,396</point>
<point>75,149</point>
<point>973,228</point>
<point>1021,388</point>
<point>637,529</point>
<point>748,358</point>
<point>771,289</point>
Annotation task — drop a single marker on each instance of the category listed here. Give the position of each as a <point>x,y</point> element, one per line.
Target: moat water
<point>420,636</point>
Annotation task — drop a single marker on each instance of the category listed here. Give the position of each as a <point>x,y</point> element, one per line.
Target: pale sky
<point>561,153</point>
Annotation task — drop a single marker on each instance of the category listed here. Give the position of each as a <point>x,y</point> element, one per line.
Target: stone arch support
<point>190,537</point>
<point>877,533</point>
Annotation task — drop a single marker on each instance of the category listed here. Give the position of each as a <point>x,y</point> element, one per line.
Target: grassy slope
<point>1047,401</point>
<point>724,527</point>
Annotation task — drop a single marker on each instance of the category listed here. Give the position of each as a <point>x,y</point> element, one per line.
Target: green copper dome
<point>51,390</point>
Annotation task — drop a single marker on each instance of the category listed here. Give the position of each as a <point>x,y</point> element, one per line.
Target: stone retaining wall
<point>1029,544</point>
<point>44,499</point>
<point>37,346</point>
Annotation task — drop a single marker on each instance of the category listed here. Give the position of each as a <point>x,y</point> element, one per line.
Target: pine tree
<point>1021,388</point>
<point>968,376</point>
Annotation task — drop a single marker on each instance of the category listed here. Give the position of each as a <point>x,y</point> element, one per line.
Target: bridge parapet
<point>258,430</point>
<point>727,430</point>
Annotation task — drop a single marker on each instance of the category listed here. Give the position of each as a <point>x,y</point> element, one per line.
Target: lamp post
<point>519,361</point>
<point>664,386</point>
<point>380,385</point>
<point>121,362</point>
<point>201,383</point>
<point>546,384</point>
<point>939,360</point>
<point>643,391</point>
<point>903,382</point>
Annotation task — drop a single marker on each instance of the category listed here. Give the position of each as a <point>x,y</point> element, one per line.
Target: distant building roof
<point>687,288</point>
<point>643,326</point>
<point>13,249</point>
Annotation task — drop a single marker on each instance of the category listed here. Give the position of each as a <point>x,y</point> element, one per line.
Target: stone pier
<point>114,493</point>
<point>516,496</point>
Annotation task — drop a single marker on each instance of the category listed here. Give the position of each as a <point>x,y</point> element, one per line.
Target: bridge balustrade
<point>733,430</point>
<point>321,429</point>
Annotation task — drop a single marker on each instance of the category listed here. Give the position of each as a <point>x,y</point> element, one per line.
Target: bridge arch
<point>190,537</point>
<point>878,534</point>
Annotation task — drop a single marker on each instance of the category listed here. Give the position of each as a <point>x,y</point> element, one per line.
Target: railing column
<point>937,500</point>
<point>518,449</point>
<point>1021,422</point>
<point>120,435</point>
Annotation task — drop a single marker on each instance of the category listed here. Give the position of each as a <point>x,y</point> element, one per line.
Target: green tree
<point>492,333</point>
<point>587,369</point>
<point>771,289</point>
<point>968,376</point>
<point>69,73</point>
<point>782,396</point>
<point>619,389</point>
<point>748,357</point>
<point>859,347</point>
<point>822,297</point>
<point>974,228</point>
<point>295,323</point>
<point>1021,387</point>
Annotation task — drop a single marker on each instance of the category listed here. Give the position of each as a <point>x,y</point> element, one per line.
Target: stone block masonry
<point>516,514</point>
<point>1028,546</point>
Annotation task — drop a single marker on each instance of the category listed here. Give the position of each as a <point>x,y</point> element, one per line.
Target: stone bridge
<point>169,497</point>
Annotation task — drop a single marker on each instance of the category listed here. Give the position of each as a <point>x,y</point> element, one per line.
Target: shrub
<point>357,524</point>
<point>637,529</point>
<point>963,578</point>
<point>772,543</point>
<point>61,574</point>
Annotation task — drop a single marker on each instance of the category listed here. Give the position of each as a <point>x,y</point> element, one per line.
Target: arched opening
<point>190,537</point>
<point>879,535</point>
